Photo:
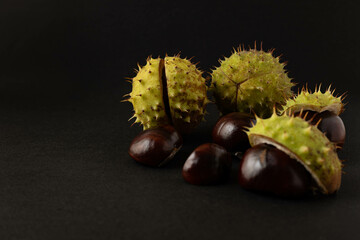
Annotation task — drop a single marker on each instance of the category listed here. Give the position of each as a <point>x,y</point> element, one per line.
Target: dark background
<point>64,168</point>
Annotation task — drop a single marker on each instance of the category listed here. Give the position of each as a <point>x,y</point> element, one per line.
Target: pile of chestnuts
<point>290,151</point>
<point>263,168</point>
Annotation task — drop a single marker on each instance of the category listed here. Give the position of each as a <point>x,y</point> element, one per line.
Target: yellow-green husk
<point>303,142</point>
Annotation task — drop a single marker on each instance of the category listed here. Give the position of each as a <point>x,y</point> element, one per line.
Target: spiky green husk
<point>147,95</point>
<point>186,94</point>
<point>317,102</point>
<point>250,81</point>
<point>303,142</point>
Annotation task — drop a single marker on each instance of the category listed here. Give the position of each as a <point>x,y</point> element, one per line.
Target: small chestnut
<point>207,164</point>
<point>330,124</point>
<point>268,169</point>
<point>229,133</point>
<point>154,147</point>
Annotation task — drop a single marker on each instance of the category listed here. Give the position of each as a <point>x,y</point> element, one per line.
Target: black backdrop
<point>64,168</point>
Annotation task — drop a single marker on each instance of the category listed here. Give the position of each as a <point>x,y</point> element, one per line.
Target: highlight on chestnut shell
<point>156,146</point>
<point>327,122</point>
<point>265,168</point>
<point>207,164</point>
<point>229,131</point>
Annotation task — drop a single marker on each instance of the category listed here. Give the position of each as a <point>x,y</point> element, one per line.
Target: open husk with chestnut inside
<point>303,142</point>
<point>321,109</point>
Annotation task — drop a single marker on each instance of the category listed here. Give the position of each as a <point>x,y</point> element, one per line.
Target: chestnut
<point>329,123</point>
<point>207,164</point>
<point>229,133</point>
<point>267,169</point>
<point>154,147</point>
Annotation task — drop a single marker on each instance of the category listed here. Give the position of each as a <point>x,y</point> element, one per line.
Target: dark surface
<point>64,135</point>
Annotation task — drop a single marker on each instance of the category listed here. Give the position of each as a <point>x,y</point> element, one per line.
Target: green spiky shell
<point>317,101</point>
<point>186,90</point>
<point>147,95</point>
<point>250,81</point>
<point>187,93</point>
<point>303,142</point>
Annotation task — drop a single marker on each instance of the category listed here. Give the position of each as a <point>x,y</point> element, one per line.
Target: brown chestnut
<point>156,146</point>
<point>229,133</point>
<point>207,164</point>
<point>267,169</point>
<point>329,123</point>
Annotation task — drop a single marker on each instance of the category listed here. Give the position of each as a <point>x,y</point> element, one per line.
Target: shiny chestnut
<point>267,169</point>
<point>229,132</point>
<point>207,164</point>
<point>329,123</point>
<point>154,147</point>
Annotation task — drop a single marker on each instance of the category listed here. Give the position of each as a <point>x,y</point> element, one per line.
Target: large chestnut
<point>229,132</point>
<point>267,169</point>
<point>154,147</point>
<point>207,164</point>
<point>329,123</point>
